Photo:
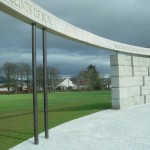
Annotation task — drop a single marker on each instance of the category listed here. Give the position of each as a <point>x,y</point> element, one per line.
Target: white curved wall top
<point>30,12</point>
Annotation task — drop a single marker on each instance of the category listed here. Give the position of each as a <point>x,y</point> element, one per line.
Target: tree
<point>27,73</point>
<point>39,76</point>
<point>21,75</point>
<point>93,78</point>
<point>16,77</point>
<point>24,74</point>
<point>91,75</point>
<point>53,77</point>
<point>8,71</point>
<point>83,76</point>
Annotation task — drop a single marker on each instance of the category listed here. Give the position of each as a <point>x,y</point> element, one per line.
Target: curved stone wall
<point>30,12</point>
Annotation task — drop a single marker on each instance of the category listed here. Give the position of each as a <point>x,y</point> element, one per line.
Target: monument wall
<point>130,80</point>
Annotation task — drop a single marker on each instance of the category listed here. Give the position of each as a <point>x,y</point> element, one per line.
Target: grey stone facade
<point>130,80</point>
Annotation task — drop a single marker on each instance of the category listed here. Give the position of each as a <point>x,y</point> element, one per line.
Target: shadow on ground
<point>99,106</point>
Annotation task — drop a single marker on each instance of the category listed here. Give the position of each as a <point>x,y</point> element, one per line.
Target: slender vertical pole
<point>35,110</point>
<point>45,84</point>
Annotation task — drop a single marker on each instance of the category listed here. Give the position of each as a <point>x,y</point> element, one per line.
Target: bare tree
<point>83,76</point>
<point>27,73</point>
<point>8,71</point>
<point>21,75</point>
<point>53,77</point>
<point>16,77</point>
<point>39,76</point>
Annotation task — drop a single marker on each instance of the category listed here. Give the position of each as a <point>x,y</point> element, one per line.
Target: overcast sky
<point>124,21</point>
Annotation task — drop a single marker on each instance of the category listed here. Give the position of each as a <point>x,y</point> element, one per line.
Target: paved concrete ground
<point>127,129</point>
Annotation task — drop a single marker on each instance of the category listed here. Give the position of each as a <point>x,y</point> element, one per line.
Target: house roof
<point>67,83</point>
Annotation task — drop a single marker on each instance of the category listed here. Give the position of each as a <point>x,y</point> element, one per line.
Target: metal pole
<point>35,110</point>
<point>45,84</point>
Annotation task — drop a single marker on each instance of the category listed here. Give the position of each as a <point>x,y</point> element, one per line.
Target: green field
<point>16,119</point>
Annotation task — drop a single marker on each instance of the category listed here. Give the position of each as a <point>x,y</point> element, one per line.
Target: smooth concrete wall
<point>130,80</point>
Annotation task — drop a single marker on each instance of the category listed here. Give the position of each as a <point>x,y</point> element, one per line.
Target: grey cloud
<point>73,63</point>
<point>124,21</point>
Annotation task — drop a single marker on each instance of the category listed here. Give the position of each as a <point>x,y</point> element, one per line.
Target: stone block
<point>140,71</point>
<point>146,80</point>
<point>138,100</point>
<point>122,103</point>
<point>133,91</point>
<point>119,59</point>
<point>140,61</point>
<point>121,71</point>
<point>135,61</point>
<point>115,103</point>
<point>125,92</point>
<point>127,102</point>
<point>145,90</point>
<point>119,93</point>
<point>146,62</point>
<point>148,71</point>
<point>137,80</point>
<point>147,99</point>
<point>115,82</point>
<point>126,81</point>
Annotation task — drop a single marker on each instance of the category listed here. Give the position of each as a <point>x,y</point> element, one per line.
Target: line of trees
<point>53,77</point>
<point>15,74</point>
<point>18,74</point>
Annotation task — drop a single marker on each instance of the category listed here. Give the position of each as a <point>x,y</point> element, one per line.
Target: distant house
<point>22,85</point>
<point>80,82</point>
<point>66,84</point>
<point>106,83</point>
<point>5,89</point>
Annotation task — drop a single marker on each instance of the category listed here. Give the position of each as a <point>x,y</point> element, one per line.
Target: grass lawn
<point>16,118</point>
